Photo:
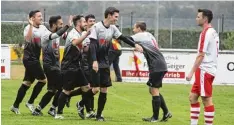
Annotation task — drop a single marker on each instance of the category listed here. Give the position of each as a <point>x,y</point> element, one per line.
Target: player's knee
<point>43,81</point>
<point>67,92</point>
<point>27,83</point>
<point>192,99</point>
<point>85,88</point>
<point>52,91</point>
<point>96,90</point>
<point>104,90</point>
<point>154,91</point>
<point>207,101</point>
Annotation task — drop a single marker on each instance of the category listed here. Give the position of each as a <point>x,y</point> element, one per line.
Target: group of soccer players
<point>86,66</point>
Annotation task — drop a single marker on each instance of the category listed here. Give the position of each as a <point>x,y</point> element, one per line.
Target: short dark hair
<point>207,13</point>
<point>33,12</point>
<point>142,25</point>
<point>89,16</point>
<point>76,18</point>
<point>54,19</point>
<point>111,11</point>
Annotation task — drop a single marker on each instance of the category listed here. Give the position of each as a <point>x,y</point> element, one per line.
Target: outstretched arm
<point>131,42</point>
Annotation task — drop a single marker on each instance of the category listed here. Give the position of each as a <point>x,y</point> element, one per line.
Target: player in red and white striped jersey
<point>205,68</point>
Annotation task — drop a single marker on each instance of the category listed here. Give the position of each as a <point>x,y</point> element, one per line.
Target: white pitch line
<point>122,98</point>
<point>132,102</point>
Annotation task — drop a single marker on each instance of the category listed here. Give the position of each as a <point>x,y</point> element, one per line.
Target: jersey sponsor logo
<point>55,44</point>
<point>36,40</point>
<point>102,41</point>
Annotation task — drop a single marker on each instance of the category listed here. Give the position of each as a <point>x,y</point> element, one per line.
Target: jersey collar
<point>104,25</point>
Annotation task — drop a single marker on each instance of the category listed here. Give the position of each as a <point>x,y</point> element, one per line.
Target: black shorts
<point>33,71</point>
<point>100,78</point>
<point>54,78</point>
<point>88,75</point>
<point>113,55</point>
<point>155,79</point>
<point>73,78</point>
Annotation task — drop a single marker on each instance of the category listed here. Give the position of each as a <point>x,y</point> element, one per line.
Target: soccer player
<point>73,75</point>
<point>33,70</point>
<point>100,38</point>
<point>205,67</point>
<point>114,54</point>
<point>50,48</point>
<point>157,69</point>
<point>90,20</point>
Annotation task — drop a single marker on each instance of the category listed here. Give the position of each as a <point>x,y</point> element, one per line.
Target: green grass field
<point>126,104</point>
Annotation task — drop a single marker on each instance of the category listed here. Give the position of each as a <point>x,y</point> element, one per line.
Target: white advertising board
<point>5,62</point>
<point>179,64</point>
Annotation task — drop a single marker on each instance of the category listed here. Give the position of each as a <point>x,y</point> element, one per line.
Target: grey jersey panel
<point>154,57</point>
<point>104,37</point>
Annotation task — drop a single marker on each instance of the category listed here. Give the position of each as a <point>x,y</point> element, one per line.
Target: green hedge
<point>12,33</point>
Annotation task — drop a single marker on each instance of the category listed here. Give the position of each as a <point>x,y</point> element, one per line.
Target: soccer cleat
<point>152,119</point>
<point>166,117</point>
<point>68,102</point>
<point>52,112</point>
<point>100,118</point>
<point>91,114</point>
<point>30,106</point>
<point>36,113</point>
<point>80,110</point>
<point>58,116</point>
<point>15,110</point>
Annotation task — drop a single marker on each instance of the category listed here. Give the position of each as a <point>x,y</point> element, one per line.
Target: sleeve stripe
<point>155,43</point>
<point>203,35</point>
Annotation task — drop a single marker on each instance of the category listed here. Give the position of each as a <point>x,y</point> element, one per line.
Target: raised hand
<point>30,21</point>
<point>70,20</point>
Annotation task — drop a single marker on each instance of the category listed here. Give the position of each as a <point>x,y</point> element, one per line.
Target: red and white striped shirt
<point>209,44</point>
